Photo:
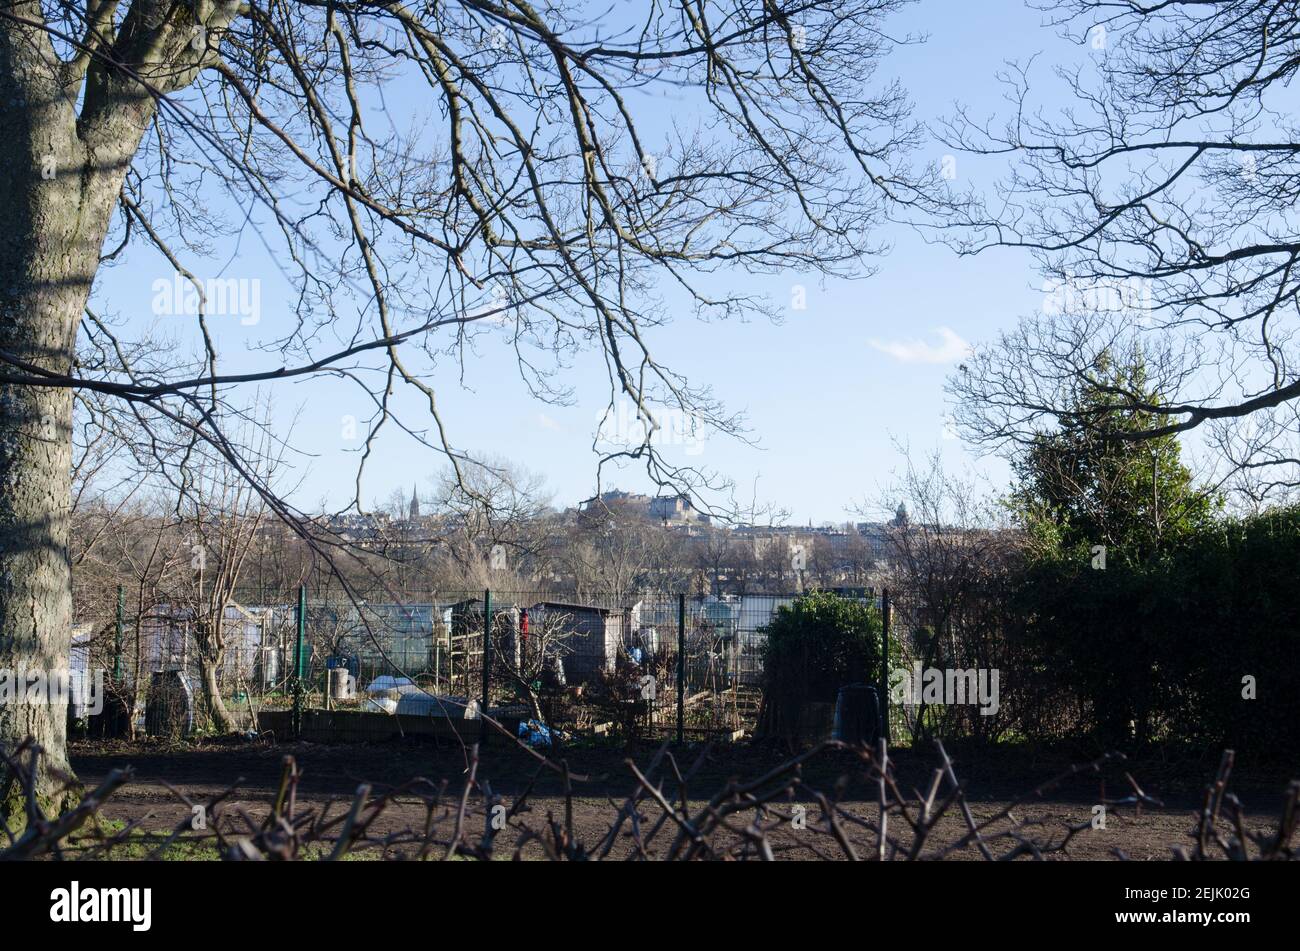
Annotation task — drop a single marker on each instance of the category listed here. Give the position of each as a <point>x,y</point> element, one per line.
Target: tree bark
<point>60,176</point>
<point>49,246</point>
<point>210,687</point>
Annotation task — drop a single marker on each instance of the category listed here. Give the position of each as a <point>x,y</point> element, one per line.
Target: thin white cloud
<point>952,349</point>
<point>547,423</point>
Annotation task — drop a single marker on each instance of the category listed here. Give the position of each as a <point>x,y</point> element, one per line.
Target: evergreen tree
<point>1086,484</point>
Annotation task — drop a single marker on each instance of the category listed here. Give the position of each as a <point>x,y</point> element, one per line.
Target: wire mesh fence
<point>661,664</point>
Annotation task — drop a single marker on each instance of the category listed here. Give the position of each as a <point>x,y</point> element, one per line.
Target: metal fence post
<point>487,666</point>
<point>681,667</point>
<point>297,661</point>
<point>117,637</point>
<point>885,610</point>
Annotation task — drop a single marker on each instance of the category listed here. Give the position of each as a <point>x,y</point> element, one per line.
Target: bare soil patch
<point>603,780</point>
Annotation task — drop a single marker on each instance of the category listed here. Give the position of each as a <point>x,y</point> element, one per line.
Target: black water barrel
<point>169,711</point>
<point>857,715</point>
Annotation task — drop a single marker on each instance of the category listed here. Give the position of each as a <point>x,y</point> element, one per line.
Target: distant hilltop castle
<point>674,510</point>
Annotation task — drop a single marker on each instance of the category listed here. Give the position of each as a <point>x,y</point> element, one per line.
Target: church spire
<point>415,503</point>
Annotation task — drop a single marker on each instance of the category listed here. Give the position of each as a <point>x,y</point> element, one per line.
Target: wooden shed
<point>594,636</point>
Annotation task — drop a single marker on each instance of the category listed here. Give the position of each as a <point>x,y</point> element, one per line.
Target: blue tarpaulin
<point>534,733</point>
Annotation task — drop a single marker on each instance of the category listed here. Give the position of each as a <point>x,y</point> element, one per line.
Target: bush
<point>814,647</point>
<point>1156,652</point>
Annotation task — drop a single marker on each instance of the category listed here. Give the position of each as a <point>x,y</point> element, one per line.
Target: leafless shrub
<point>1222,808</point>
<point>659,819</point>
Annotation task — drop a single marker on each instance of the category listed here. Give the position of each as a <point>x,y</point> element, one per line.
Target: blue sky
<point>826,392</point>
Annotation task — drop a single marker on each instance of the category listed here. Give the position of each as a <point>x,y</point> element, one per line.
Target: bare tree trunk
<point>60,175</point>
<point>534,703</point>
<point>35,576</point>
<point>49,249</point>
<point>213,702</point>
<point>137,671</point>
